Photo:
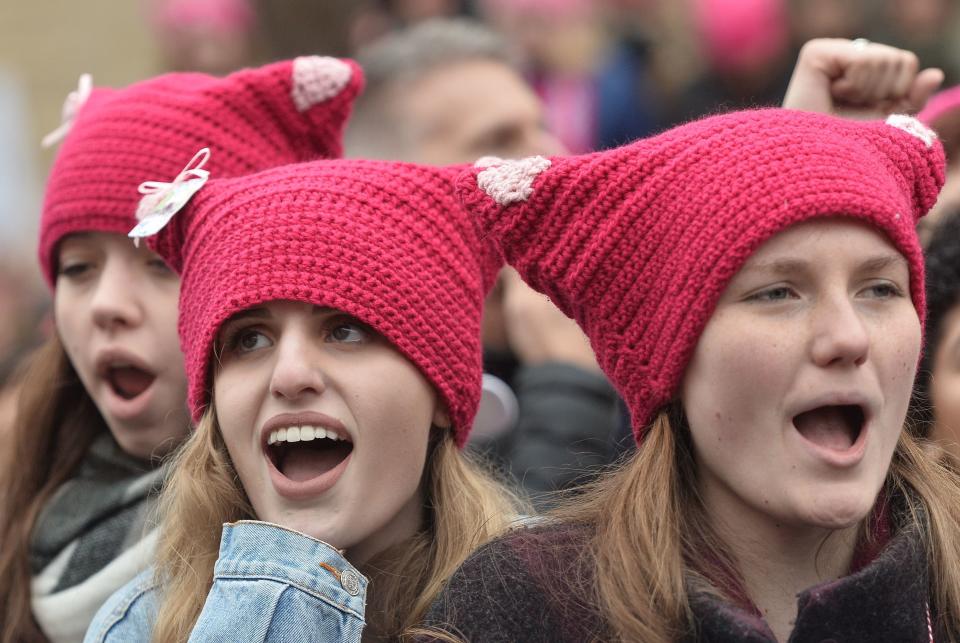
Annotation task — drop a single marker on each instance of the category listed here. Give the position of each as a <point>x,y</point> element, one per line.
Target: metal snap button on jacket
<point>350,581</point>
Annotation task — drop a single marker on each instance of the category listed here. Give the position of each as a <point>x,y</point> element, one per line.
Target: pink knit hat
<point>638,243</point>
<point>251,120</point>
<point>942,113</point>
<point>385,242</point>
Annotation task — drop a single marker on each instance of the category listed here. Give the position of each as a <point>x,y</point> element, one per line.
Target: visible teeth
<point>302,434</point>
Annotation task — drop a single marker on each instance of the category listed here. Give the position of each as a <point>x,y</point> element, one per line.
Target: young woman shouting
<point>753,285</point>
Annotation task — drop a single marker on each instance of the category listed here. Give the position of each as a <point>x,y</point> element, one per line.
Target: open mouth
<point>128,381</point>
<point>306,452</point>
<point>832,427</point>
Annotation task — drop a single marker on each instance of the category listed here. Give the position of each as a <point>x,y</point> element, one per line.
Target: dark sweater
<point>511,591</point>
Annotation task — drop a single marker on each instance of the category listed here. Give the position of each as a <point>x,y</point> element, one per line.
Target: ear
<point>441,416</point>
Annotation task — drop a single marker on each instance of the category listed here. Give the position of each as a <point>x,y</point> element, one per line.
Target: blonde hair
<point>651,541</point>
<point>465,508</point>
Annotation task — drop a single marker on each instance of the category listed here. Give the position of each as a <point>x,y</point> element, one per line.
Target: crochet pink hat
<point>942,113</point>
<point>384,242</point>
<point>251,120</point>
<point>638,243</point>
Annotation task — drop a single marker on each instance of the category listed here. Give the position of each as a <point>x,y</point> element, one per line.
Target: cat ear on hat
<point>516,205</point>
<point>71,108</point>
<point>251,120</point>
<point>496,192</point>
<point>316,93</point>
<point>261,117</point>
<point>908,139</point>
<point>311,95</point>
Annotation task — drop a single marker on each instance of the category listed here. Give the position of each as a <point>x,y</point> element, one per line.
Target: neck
<point>778,561</point>
<point>407,522</point>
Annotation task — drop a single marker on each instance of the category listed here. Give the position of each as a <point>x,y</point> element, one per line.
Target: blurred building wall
<point>44,47</point>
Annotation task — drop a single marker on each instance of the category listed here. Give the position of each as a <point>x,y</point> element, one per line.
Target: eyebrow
<point>74,236</point>
<point>790,265</point>
<point>884,261</point>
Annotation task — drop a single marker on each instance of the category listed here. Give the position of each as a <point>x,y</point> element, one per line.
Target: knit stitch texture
<point>251,120</point>
<point>638,243</point>
<point>384,242</point>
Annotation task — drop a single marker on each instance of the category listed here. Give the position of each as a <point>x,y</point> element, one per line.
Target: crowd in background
<point>587,84</point>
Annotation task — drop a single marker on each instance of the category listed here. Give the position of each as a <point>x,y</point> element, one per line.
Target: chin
<point>839,511</point>
<point>310,528</point>
<point>146,442</point>
<point>308,524</point>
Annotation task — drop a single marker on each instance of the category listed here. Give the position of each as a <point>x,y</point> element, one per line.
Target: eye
<point>777,293</point>
<point>74,269</point>
<point>884,290</point>
<point>348,332</point>
<point>159,265</point>
<point>251,340</point>
<point>245,340</point>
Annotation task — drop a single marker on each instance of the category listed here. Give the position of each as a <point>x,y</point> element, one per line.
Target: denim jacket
<point>270,584</point>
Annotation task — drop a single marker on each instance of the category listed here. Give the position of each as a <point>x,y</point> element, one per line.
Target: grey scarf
<point>105,509</point>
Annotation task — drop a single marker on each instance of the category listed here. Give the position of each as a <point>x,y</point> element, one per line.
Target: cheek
<point>162,306</point>
<point>167,340</point>
<point>389,391</point>
<point>70,323</point>
<point>898,350</point>
<point>733,378</point>
<point>235,405</point>
<point>397,412</point>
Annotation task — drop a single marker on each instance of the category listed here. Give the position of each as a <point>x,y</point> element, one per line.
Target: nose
<point>116,303</point>
<point>840,336</point>
<point>297,371</point>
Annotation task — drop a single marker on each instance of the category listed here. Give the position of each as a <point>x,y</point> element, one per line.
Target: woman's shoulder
<point>528,585</point>
<point>529,553</point>
<point>129,613</point>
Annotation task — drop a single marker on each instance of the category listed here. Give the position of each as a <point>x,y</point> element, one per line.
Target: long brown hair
<point>465,508</point>
<point>56,422</point>
<point>651,538</point>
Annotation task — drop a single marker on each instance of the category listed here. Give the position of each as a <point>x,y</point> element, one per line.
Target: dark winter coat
<point>523,588</point>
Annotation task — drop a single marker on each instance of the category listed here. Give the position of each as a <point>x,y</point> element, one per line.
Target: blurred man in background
<point>444,92</point>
